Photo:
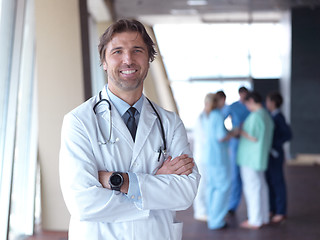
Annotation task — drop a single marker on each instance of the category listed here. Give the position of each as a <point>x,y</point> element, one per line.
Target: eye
<point>138,50</point>
<point>117,52</point>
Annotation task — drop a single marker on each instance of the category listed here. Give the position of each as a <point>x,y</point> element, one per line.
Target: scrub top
<point>238,112</point>
<point>216,151</point>
<point>255,154</point>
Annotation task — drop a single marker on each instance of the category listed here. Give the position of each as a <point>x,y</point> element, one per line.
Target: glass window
<point>265,52</point>
<point>25,157</point>
<point>97,73</point>
<point>18,148</point>
<point>227,56</point>
<point>7,110</point>
<point>220,50</point>
<point>7,16</point>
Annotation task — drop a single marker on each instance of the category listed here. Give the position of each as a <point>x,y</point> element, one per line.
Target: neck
<point>257,107</point>
<point>272,109</point>
<point>130,97</point>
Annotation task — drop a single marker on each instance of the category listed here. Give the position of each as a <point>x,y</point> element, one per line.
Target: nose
<point>127,58</point>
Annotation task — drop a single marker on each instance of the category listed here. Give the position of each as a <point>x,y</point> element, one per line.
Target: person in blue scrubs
<point>224,108</point>
<point>218,168</point>
<point>275,175</point>
<point>238,112</point>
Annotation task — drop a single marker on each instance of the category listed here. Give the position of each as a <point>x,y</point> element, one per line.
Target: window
<point>18,142</point>
<point>7,110</point>
<point>202,58</point>
<point>97,73</point>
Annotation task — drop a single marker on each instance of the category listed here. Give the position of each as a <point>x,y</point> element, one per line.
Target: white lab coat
<point>200,141</point>
<point>98,213</point>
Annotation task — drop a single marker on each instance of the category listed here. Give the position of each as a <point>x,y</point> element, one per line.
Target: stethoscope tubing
<point>110,125</point>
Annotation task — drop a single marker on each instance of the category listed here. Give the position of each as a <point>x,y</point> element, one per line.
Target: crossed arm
<point>181,165</point>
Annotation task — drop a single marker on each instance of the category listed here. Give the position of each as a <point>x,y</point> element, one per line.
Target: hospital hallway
<point>303,223</point>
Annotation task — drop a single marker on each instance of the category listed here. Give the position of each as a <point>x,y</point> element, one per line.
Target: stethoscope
<point>108,141</point>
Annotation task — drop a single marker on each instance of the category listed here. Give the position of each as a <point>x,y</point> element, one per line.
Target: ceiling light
<point>197,2</point>
<point>183,11</point>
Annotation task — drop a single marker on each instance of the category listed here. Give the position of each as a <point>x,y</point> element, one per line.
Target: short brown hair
<point>125,25</point>
<point>243,90</point>
<point>276,98</point>
<point>220,94</point>
<point>255,96</point>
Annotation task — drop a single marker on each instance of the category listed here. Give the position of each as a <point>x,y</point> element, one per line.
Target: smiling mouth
<point>128,71</point>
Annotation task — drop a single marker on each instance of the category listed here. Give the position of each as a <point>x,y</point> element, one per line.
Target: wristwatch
<point>116,181</point>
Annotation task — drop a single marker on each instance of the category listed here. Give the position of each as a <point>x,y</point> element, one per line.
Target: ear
<point>105,66</point>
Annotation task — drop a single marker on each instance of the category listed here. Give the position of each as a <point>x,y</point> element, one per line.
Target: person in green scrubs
<point>254,147</point>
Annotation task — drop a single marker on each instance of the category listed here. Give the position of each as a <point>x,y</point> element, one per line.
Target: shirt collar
<point>121,105</point>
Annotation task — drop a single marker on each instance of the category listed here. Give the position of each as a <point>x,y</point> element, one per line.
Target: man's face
<point>242,96</point>
<point>127,62</point>
<point>270,104</point>
<point>221,102</point>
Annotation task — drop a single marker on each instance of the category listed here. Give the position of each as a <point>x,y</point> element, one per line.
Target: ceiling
<point>163,11</point>
<point>196,11</point>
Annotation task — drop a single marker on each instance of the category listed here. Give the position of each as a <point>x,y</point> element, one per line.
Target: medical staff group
<point>248,159</point>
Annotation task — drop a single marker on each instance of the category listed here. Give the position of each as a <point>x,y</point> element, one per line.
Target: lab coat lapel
<point>146,122</point>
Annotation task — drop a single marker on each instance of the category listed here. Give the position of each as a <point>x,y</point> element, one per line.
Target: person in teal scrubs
<point>218,168</point>
<point>253,155</point>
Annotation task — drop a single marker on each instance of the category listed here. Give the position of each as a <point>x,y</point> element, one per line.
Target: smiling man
<point>125,163</point>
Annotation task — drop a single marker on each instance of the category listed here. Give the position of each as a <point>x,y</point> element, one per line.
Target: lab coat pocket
<point>177,231</point>
<point>157,161</point>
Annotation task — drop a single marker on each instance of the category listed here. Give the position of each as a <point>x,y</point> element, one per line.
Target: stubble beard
<point>126,85</point>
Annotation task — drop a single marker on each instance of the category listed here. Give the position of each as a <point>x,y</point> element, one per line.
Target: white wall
<point>60,89</point>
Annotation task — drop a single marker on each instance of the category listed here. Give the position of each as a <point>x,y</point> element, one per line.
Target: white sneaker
<point>202,218</point>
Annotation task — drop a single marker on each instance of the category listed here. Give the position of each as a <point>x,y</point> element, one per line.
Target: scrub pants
<point>236,184</point>
<point>218,193</point>
<point>255,190</point>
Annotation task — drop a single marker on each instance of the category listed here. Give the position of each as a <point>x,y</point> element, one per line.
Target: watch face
<point>116,180</point>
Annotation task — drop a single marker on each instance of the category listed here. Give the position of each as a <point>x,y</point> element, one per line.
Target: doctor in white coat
<point>118,184</point>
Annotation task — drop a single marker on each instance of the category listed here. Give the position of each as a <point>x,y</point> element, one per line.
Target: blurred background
<point>49,64</point>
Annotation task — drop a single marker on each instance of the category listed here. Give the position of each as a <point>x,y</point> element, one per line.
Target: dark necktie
<point>131,124</point>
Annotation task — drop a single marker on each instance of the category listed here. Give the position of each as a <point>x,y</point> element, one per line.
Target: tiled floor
<point>303,221</point>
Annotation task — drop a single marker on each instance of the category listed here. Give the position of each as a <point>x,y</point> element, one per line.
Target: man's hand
<point>104,180</point>
<point>181,165</point>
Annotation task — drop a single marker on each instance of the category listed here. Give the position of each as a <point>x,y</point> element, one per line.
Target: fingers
<point>177,159</point>
<point>185,169</point>
<point>181,161</point>
<point>181,165</point>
